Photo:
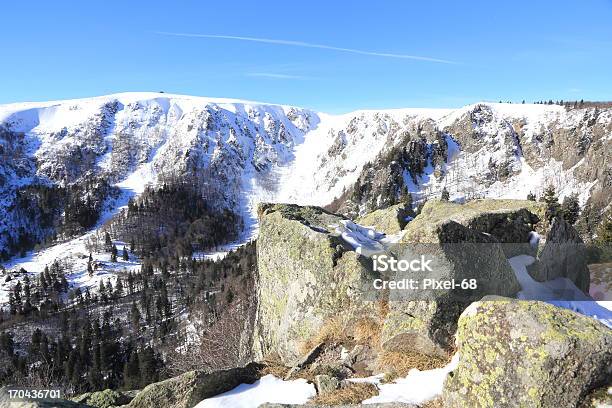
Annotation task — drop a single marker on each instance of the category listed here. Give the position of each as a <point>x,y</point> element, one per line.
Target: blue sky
<point>332,56</point>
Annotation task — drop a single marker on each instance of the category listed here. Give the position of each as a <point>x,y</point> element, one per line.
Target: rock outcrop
<point>564,255</point>
<point>187,390</point>
<point>527,354</point>
<point>390,220</point>
<point>306,276</point>
<point>460,239</point>
<point>509,221</point>
<point>105,399</point>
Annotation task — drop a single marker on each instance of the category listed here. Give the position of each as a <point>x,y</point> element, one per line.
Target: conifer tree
<point>108,243</point>
<point>570,209</point>
<point>445,195</point>
<point>114,253</point>
<point>604,232</point>
<point>552,203</point>
<point>119,287</point>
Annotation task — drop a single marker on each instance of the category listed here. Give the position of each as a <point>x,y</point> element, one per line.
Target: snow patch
<point>267,389</point>
<point>560,292</point>
<point>416,388</point>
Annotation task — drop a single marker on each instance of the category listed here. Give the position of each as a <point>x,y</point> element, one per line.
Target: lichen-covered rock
<point>509,221</point>
<point>187,390</point>
<point>389,220</point>
<point>564,255</point>
<point>305,276</point>
<point>425,320</point>
<point>326,383</point>
<point>103,399</point>
<point>527,354</point>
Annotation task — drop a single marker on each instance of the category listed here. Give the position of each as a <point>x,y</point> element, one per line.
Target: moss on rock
<point>527,354</point>
<point>389,220</point>
<point>306,276</point>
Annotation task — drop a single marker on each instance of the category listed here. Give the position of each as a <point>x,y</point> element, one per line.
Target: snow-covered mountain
<point>247,152</point>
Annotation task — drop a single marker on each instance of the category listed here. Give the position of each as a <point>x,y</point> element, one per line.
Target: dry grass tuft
<point>332,331</point>
<point>367,332</point>
<point>352,393</point>
<point>398,364</point>
<point>383,308</point>
<point>434,403</point>
<point>277,369</point>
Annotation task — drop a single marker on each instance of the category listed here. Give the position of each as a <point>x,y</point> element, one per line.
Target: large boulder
<point>509,221</point>
<point>307,275</point>
<point>389,220</point>
<point>104,399</point>
<point>563,256</point>
<point>187,390</point>
<point>527,354</point>
<point>426,320</point>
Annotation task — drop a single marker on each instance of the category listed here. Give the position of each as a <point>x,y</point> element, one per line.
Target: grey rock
<point>303,280</point>
<point>326,383</point>
<point>426,320</point>
<point>564,255</point>
<point>187,390</point>
<point>527,353</point>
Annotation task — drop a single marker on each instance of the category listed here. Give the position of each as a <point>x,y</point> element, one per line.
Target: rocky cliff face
<point>489,151</point>
<point>134,140</point>
<point>247,152</point>
<point>309,273</point>
<point>307,276</point>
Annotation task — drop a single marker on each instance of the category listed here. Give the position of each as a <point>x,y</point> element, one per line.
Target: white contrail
<point>308,45</point>
<point>277,76</point>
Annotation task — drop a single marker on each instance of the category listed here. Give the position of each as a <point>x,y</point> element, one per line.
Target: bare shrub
<point>213,345</point>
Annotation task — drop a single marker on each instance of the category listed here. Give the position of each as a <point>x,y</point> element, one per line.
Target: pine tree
<point>531,196</point>
<point>114,254</point>
<point>135,317</point>
<point>108,242</point>
<point>125,256</point>
<point>552,203</point>
<point>131,371</point>
<point>119,288</point>
<point>109,287</point>
<point>445,195</point>
<point>570,209</point>
<point>604,232</point>
<point>148,366</point>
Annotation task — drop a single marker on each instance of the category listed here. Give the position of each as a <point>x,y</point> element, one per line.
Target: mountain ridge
<point>249,152</point>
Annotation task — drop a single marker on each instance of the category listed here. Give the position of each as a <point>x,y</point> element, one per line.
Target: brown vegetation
<point>351,393</point>
<point>397,364</point>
